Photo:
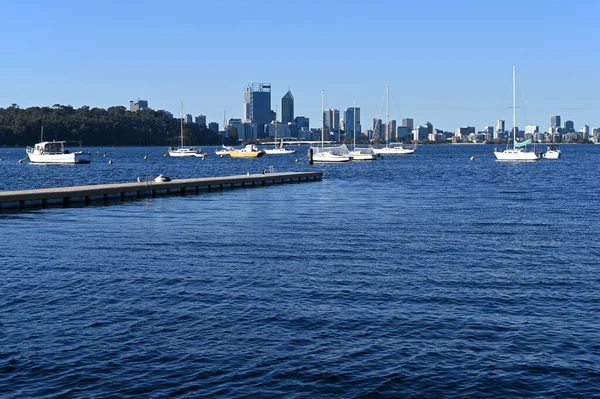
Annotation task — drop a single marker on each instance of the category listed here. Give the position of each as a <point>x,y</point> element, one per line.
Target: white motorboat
<point>518,152</point>
<point>327,154</point>
<point>55,152</point>
<point>552,152</point>
<point>279,150</point>
<point>394,150</point>
<point>183,151</point>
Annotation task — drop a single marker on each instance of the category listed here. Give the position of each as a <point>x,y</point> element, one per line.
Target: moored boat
<point>249,151</point>
<point>55,152</point>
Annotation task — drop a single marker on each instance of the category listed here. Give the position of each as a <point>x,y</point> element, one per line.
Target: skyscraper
<point>555,122</point>
<point>287,108</point>
<point>390,130</point>
<point>201,120</point>
<point>350,121</point>
<point>332,119</point>
<point>257,103</point>
<point>501,127</point>
<point>409,123</point>
<point>569,127</point>
<point>377,128</point>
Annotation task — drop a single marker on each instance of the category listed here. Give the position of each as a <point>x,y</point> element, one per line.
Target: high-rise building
<point>585,132</point>
<point>377,128</point>
<point>531,129</point>
<point>555,122</point>
<point>138,105</point>
<point>569,127</point>
<point>213,127</point>
<point>390,130</point>
<point>287,108</point>
<point>201,120</point>
<point>402,132</point>
<point>429,127</point>
<point>187,118</point>
<point>350,121</point>
<point>257,103</point>
<point>501,127</point>
<point>409,123</point>
<point>331,118</point>
<point>302,122</point>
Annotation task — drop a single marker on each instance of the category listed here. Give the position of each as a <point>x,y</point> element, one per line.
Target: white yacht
<point>55,152</point>
<point>327,154</point>
<point>360,154</point>
<point>224,151</point>
<point>183,151</point>
<point>395,149</point>
<point>518,152</point>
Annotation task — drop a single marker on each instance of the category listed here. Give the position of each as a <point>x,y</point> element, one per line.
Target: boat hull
<point>330,158</point>
<point>243,154</point>
<point>516,156</point>
<point>361,156</point>
<point>70,158</point>
<point>552,155</point>
<point>278,151</point>
<point>393,151</point>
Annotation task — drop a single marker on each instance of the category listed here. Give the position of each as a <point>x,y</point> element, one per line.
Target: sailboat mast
<point>42,134</point>
<point>181,112</point>
<point>322,117</point>
<point>387,113</point>
<point>354,127</point>
<point>276,111</point>
<point>514,106</point>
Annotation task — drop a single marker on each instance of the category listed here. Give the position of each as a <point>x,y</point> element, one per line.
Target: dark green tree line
<point>97,126</point>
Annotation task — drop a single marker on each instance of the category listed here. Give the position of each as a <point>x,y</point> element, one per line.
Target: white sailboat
<point>55,152</point>
<point>396,149</point>
<point>328,154</point>
<point>183,151</point>
<point>279,149</point>
<point>360,154</point>
<point>518,152</point>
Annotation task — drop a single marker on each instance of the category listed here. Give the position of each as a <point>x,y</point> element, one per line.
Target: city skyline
<point>453,71</point>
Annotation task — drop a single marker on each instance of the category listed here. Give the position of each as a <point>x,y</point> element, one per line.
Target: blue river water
<point>427,275</point>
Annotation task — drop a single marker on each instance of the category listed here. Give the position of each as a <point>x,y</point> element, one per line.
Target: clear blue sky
<point>446,62</point>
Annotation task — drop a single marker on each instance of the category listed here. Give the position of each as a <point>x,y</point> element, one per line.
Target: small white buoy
<point>221,156</point>
<point>1,159</point>
<point>204,158</point>
<point>145,156</point>
<point>110,162</point>
<point>21,160</point>
<point>472,158</point>
<point>165,155</point>
<point>297,160</point>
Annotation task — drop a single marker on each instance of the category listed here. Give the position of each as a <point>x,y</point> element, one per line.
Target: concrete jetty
<point>64,196</point>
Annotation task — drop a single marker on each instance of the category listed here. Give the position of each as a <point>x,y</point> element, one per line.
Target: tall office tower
<point>555,122</point>
<point>501,127</point>
<point>287,108</point>
<point>138,105</point>
<point>350,121</point>
<point>302,122</point>
<point>332,119</point>
<point>187,118</point>
<point>569,126</point>
<point>213,127</point>
<point>257,103</point>
<point>390,130</point>
<point>377,128</point>
<point>201,120</point>
<point>409,123</point>
<point>586,132</point>
<point>429,127</point>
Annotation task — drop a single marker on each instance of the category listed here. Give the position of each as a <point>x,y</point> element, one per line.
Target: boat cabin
<point>51,147</point>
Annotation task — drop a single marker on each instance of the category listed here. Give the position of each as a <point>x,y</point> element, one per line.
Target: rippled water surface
<point>427,275</point>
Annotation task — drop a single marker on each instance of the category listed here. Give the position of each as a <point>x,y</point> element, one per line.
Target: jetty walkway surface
<point>64,196</point>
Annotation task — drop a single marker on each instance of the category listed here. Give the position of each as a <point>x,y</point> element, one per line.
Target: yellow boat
<point>250,151</point>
